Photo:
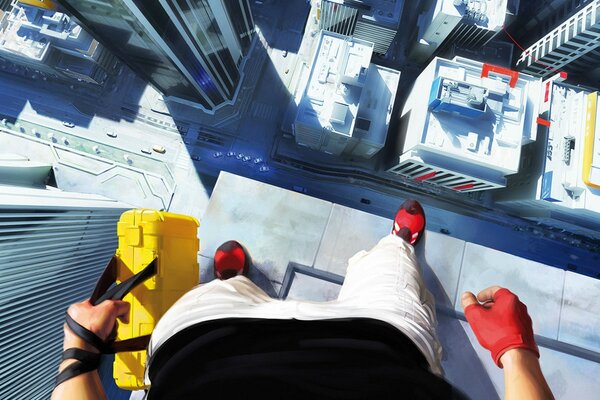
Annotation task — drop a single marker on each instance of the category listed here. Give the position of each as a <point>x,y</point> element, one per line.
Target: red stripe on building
<point>426,176</point>
<point>513,75</point>
<point>547,94</point>
<point>463,187</point>
<point>543,122</point>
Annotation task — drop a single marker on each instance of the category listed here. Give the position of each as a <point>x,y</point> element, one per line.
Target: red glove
<point>502,324</point>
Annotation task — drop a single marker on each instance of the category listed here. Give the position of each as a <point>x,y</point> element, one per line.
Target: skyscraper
<point>37,36</point>
<point>53,247</point>
<point>188,49</point>
<point>537,18</point>
<point>559,182</point>
<point>464,123</point>
<point>347,104</point>
<point>468,24</point>
<point>375,21</point>
<point>573,44</point>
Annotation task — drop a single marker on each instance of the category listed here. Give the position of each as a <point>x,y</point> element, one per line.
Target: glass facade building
<point>190,49</point>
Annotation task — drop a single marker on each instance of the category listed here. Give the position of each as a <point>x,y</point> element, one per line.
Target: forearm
<point>86,386</point>
<point>83,387</point>
<point>523,378</point>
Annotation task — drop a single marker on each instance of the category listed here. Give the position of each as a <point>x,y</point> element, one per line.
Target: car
<point>196,157</point>
<point>258,160</point>
<point>284,54</point>
<point>159,149</point>
<point>68,124</point>
<point>146,150</point>
<point>263,168</point>
<point>246,158</point>
<point>111,134</point>
<point>299,189</point>
<point>230,154</point>
<point>217,154</point>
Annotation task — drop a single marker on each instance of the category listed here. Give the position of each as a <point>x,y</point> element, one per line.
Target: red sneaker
<point>409,222</point>
<point>231,260</point>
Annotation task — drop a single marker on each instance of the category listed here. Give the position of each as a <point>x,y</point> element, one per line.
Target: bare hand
<point>99,319</point>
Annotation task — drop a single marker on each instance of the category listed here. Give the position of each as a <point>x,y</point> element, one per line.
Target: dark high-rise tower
<point>190,49</point>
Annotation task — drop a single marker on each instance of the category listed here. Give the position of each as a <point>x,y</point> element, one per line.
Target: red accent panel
<point>426,176</point>
<point>543,122</point>
<point>514,75</point>
<point>547,93</point>
<point>563,75</point>
<point>463,187</point>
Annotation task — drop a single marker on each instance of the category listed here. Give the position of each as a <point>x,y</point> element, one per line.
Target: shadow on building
<point>282,32</point>
<point>52,67</point>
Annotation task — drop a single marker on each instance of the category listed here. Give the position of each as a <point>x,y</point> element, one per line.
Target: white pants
<point>384,283</point>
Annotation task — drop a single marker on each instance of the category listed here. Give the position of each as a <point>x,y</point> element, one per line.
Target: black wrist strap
<point>85,334</point>
<point>86,361</point>
<point>86,357</point>
<point>111,347</point>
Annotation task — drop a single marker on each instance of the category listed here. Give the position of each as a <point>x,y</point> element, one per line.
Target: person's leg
<point>386,283</point>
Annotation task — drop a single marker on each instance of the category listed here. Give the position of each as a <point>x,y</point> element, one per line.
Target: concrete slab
<point>461,361</point>
<point>348,232</point>
<point>304,287</point>
<point>441,257</point>
<point>580,313</point>
<point>569,377</point>
<point>276,225</point>
<point>537,285</point>
<point>206,267</point>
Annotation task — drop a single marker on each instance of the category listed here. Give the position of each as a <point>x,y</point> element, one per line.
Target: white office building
<point>464,23</point>
<point>560,186</point>
<point>347,103</point>
<point>464,123</point>
<point>53,247</point>
<point>566,45</point>
<point>50,42</point>
<point>376,21</point>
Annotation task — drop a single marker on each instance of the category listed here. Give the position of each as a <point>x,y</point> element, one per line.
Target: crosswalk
<point>183,159</point>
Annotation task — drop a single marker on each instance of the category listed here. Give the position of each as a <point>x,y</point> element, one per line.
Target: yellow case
<point>143,235</point>
<point>589,141</point>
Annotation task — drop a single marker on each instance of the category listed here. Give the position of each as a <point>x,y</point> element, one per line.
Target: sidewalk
<point>300,246</point>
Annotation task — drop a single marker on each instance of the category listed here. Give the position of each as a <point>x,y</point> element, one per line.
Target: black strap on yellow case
<point>102,292</point>
<point>89,361</point>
